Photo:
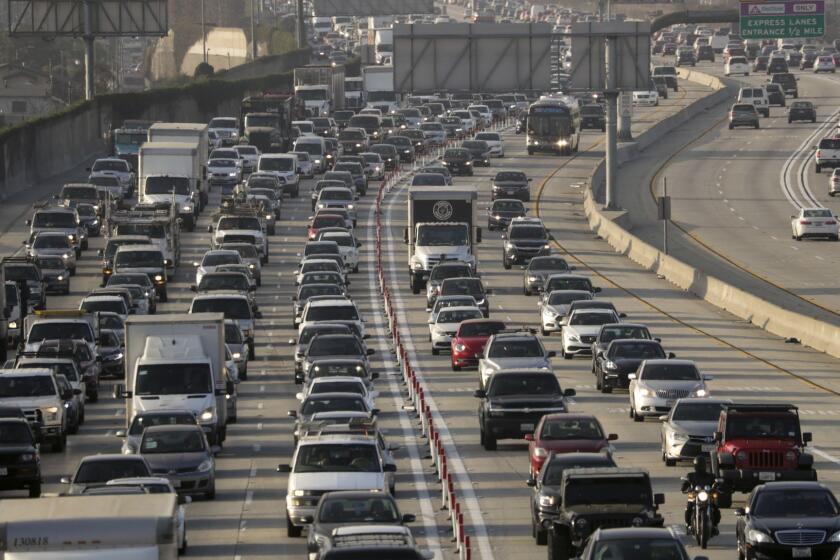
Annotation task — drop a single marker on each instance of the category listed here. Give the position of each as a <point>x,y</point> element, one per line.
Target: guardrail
<point>769,316</point>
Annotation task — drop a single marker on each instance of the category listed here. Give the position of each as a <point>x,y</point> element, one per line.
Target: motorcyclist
<point>699,477</point>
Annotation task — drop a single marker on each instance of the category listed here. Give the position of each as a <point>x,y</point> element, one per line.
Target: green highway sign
<point>782,20</point>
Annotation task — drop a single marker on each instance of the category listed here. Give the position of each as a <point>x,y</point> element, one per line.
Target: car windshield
<point>449,271</point>
<point>211,282</point>
<point>337,458</point>
<point>561,429</point>
<point>320,249</point>
<point>582,284</point>
<point>164,379</point>
<point>636,351</point>
<point>601,490</point>
<point>24,386</point>
<point>215,259</point>
<point>222,122</point>
<point>458,315</point>
<point>508,206</point>
<point>239,222</point>
<point>110,165</point>
<point>115,306</point>
<point>801,105</point>
<point>335,346</point>
<point>167,185</point>
<point>442,235</point>
<point>697,412</point>
<point>143,421</point>
<point>670,372</point>
<point>609,334</point>
<point>764,426</point>
<point>349,403</point>
<point>328,220</point>
<point>310,148</point>
<point>543,384</point>
<point>527,232</point>
<point>277,164</point>
<point>176,441</point>
<point>232,308</point>
<point>343,240</point>
<point>336,194</point>
<point>51,242</point>
<point>61,220</point>
<point>348,511</point>
<point>504,176</point>
<point>817,213</point>
<point>80,193</point>
<point>638,549</point>
<point>466,286</point>
<point>522,348</point>
<point>480,329</point>
<point>429,180</point>
<point>338,387</point>
<point>246,251</point>
<point>154,231</point>
<point>802,503</point>
<point>333,313</point>
<point>351,135</point>
<point>322,278</point>
<point>592,110</point>
<point>15,433</point>
<point>316,266</point>
<point>139,259</point>
<point>565,297</point>
<point>592,319</point>
<point>262,183</point>
<point>54,331</point>
<point>101,471</point>
<point>456,155</point>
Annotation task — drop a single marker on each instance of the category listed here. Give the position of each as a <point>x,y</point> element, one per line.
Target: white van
<point>316,147</point>
<point>758,97</point>
<point>284,166</point>
<point>307,128</point>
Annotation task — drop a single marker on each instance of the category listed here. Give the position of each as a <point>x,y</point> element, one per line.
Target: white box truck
<point>442,225</point>
<point>123,526</point>
<point>321,88</point>
<point>177,362</point>
<point>379,88</point>
<point>383,44</point>
<point>171,172</point>
<point>192,133</point>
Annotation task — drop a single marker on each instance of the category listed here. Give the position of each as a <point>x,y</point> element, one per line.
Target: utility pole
<point>90,83</point>
<point>203,34</point>
<point>300,24</point>
<point>611,93</point>
<point>253,34</point>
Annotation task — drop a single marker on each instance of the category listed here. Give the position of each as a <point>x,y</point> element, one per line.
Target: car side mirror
<point>718,436</point>
<point>284,468</point>
<point>478,235</point>
<point>663,418</point>
<point>659,499</point>
<point>408,518</point>
<point>596,290</point>
<point>807,437</point>
<point>488,291</point>
<point>292,414</point>
<point>531,482</point>
<point>300,396</point>
<point>480,394</point>
<point>193,288</point>
<point>209,229</point>
<point>29,223</point>
<point>708,377</point>
<point>739,512</point>
<point>551,353</point>
<point>529,437</point>
<point>671,355</point>
<point>622,315</point>
<point>631,376</point>
<point>370,352</point>
<point>374,412</point>
<point>184,500</point>
<point>389,467</point>
<point>258,315</point>
<point>569,393</point>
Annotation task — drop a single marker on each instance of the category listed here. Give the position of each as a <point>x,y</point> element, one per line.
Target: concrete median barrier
<point>773,318</point>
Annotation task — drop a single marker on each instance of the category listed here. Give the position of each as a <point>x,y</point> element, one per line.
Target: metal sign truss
<point>107,18</point>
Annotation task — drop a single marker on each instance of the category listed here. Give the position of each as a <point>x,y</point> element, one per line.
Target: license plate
<point>767,476</point>
<point>4,471</point>
<point>707,447</point>
<point>803,552</point>
<point>526,427</point>
<point>669,402</point>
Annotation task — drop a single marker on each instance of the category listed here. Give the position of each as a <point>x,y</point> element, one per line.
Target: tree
<point>203,70</point>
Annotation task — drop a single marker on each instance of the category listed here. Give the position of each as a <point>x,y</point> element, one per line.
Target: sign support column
<point>611,94</point>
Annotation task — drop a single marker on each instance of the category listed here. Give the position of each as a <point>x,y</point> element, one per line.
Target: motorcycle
<point>704,500</point>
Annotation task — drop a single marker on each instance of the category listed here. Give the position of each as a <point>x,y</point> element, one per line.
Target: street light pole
<point>203,34</point>
<point>253,34</point>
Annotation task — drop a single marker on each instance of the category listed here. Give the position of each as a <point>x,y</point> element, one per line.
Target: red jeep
<point>468,343</point>
<point>759,443</point>
<point>566,433</point>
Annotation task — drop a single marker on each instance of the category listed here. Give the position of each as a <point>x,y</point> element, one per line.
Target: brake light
<point>819,153</point>
<point>830,222</point>
<point>805,222</point>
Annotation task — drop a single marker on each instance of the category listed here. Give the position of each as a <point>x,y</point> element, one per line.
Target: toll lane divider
<point>773,318</point>
<point>414,389</point>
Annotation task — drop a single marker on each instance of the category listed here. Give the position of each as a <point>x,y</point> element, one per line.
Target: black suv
<point>525,239</point>
<point>600,498</point>
<point>704,52</point>
<point>439,273</point>
<point>592,116</point>
<point>686,58</point>
<point>458,161</point>
<point>515,401</point>
<point>617,331</point>
<point>545,500</point>
<point>788,83</point>
<point>502,211</point>
<point>479,151</point>
<point>20,463</point>
<point>510,184</point>
<point>788,519</point>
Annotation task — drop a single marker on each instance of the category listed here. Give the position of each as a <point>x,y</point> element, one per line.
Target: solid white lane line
<point>427,508</point>
<point>454,460</point>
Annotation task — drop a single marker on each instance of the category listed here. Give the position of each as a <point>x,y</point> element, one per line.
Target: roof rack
<point>24,259</point>
<point>760,407</point>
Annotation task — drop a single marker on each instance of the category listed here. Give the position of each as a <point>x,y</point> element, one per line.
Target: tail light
<point>819,153</point>
<point>830,222</point>
<point>805,222</point>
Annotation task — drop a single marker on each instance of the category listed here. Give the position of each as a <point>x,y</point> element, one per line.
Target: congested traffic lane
<point>734,215</point>
<point>741,357</point>
<point>247,518</point>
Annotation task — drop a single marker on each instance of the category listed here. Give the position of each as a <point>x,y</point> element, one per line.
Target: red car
<point>468,343</point>
<point>324,221</point>
<point>566,433</point>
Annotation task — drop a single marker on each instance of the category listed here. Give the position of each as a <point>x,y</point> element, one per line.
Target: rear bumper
<point>744,480</point>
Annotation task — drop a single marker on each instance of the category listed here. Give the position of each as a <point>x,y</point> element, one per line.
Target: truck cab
<point>37,393</point>
<point>442,226</point>
<point>759,443</point>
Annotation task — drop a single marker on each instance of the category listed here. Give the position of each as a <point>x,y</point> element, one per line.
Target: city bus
<point>553,125</point>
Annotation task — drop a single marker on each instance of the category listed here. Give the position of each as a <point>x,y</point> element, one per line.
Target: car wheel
<point>243,375</point>
<point>817,168</point>
<point>252,353</point>
<point>540,534</point>
<point>60,444</point>
<point>526,291</point>
<point>598,385</point>
<point>566,355</point>
<point>489,442</point>
<point>356,268</point>
<point>456,367</point>
<point>756,126</point>
<point>731,127</point>
<point>506,264</point>
<point>292,530</point>
<point>435,352</point>
<point>637,417</point>
<point>670,462</point>
<point>35,490</point>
